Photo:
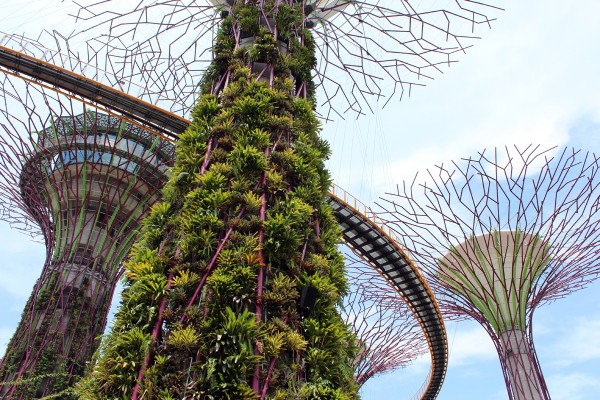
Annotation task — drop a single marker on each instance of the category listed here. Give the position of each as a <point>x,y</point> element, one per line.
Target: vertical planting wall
<point>213,306</point>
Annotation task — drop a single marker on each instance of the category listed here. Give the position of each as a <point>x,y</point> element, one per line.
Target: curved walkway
<point>71,84</point>
<point>368,238</point>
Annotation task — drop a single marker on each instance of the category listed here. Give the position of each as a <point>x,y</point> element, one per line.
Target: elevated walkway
<point>370,239</point>
<point>113,101</point>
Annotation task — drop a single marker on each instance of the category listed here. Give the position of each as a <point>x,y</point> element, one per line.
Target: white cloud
<point>404,383</point>
<point>572,386</point>
<point>470,347</point>
<point>20,264</point>
<point>15,281</point>
<point>573,342</point>
<point>583,341</point>
<point>5,335</point>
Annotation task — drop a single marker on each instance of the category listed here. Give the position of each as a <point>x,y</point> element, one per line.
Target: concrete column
<point>520,363</point>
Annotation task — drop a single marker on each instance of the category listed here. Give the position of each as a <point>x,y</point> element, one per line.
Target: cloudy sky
<point>533,78</point>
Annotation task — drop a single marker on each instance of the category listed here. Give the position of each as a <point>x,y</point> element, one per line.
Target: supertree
<point>83,181</point>
<point>388,335</point>
<point>210,308</point>
<point>499,235</point>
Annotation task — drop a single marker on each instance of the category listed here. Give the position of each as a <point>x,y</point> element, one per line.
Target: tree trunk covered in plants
<point>55,339</point>
<point>211,308</point>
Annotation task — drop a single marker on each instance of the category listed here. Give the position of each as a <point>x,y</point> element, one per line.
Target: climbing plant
<point>212,306</point>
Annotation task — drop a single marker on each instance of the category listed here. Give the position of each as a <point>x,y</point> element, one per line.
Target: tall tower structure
<point>501,234</point>
<point>86,180</point>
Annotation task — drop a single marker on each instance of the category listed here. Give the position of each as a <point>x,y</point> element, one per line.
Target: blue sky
<point>533,78</point>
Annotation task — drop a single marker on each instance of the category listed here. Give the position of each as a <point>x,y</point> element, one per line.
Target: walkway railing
<point>360,226</point>
<point>368,213</point>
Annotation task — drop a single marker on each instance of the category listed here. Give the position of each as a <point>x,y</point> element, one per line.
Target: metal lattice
<point>368,51</point>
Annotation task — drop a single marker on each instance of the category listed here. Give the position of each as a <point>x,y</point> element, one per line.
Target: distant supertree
<point>499,235</point>
<point>84,181</point>
<point>389,336</point>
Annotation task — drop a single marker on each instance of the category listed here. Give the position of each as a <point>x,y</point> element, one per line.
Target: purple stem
<point>155,334</point>
<point>211,266</point>
<point>207,154</point>
<point>261,272</point>
<point>267,379</point>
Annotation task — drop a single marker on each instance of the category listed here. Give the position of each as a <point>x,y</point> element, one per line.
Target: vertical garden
<point>217,303</point>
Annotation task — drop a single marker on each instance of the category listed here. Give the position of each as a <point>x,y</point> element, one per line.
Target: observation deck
<point>363,233</point>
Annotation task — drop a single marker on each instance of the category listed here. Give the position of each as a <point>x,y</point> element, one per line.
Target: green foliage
<point>233,285</point>
<point>123,354</point>
<point>264,48</point>
<point>211,239</point>
<point>206,109</point>
<point>183,338</point>
<point>246,16</point>
<point>247,160</point>
<point>185,279</point>
<point>198,244</point>
<point>289,18</point>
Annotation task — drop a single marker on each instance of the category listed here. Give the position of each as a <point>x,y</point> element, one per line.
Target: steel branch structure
<point>368,50</point>
<point>84,180</point>
<point>390,337</point>
<point>499,235</point>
